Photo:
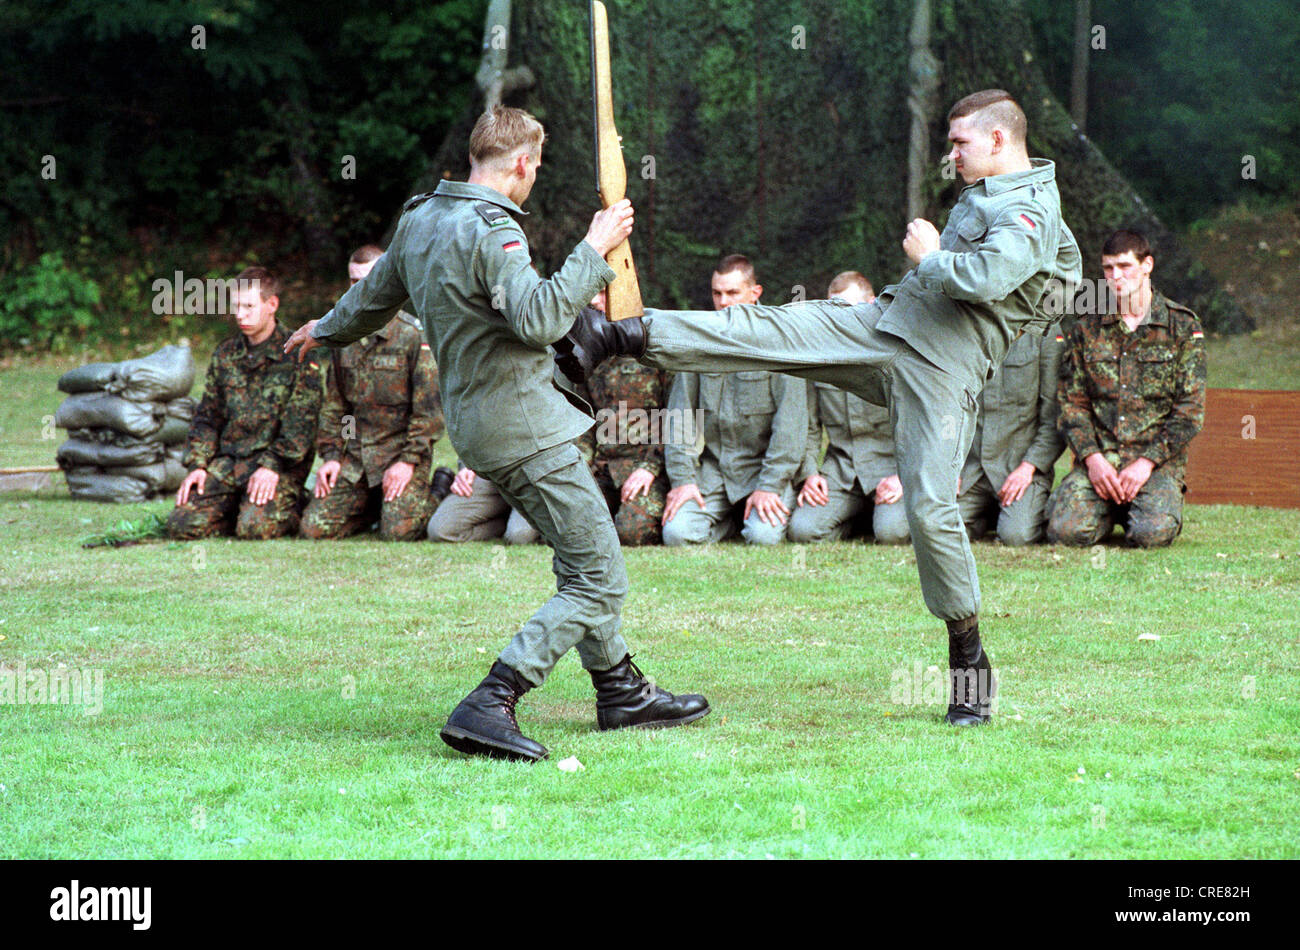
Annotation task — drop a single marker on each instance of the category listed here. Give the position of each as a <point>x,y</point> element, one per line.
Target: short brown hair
<point>500,132</point>
<point>268,285</point>
<point>366,253</point>
<point>993,107</point>
<point>1125,240</point>
<point>736,262</point>
<point>849,278</point>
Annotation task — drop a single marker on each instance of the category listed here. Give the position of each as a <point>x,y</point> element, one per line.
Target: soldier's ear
<point>272,303</point>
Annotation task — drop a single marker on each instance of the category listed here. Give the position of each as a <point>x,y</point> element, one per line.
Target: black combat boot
<point>624,697</point>
<point>593,339</point>
<point>971,682</point>
<point>484,722</point>
<point>442,479</point>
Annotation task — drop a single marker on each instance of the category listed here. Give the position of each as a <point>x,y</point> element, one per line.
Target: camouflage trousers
<point>1077,516</point>
<point>224,509</point>
<point>351,508</point>
<point>639,521</point>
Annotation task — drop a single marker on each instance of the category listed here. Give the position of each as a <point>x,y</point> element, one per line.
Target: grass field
<point>282,699</point>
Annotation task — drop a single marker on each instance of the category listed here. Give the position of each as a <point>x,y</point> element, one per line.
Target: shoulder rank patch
<point>511,246</point>
<point>494,216</point>
<point>1198,335</point>
<point>416,200</point>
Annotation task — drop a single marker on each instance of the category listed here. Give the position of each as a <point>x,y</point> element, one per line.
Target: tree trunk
<point>835,120</point>
<point>1079,70</point>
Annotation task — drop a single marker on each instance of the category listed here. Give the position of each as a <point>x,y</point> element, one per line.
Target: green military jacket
<point>1003,251</point>
<point>1134,395</point>
<point>860,439</point>
<point>630,422</point>
<point>381,402</point>
<point>755,430</point>
<point>462,259</point>
<point>259,409</point>
<point>1017,413</point>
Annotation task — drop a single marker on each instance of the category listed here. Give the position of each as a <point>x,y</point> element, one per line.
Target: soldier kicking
<point>925,348</point>
<point>462,259</point>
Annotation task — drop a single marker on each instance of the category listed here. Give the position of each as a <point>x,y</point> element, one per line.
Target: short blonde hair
<point>500,132</point>
<point>849,278</point>
<point>992,108</point>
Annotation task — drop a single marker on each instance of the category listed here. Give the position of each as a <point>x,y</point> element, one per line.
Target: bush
<point>47,304</point>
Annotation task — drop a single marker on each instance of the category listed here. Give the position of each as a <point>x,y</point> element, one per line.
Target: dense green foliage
<point>1183,91</point>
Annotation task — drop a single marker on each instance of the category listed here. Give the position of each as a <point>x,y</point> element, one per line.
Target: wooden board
<point>1248,453</point>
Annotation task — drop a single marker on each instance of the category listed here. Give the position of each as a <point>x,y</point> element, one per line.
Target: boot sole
<point>660,723</point>
<point>473,744</point>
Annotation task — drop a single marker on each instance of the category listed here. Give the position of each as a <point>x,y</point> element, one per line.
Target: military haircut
<point>267,284</point>
<point>366,253</point>
<point>849,278</point>
<point>501,132</point>
<point>736,262</point>
<point>1125,240</point>
<point>993,108</point>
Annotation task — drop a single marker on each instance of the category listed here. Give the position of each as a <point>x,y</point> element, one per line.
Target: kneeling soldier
<point>378,423</point>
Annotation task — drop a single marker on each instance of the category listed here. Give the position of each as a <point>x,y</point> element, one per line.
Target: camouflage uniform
<point>381,406</point>
<point>259,409</point>
<point>1129,395</point>
<point>624,441</point>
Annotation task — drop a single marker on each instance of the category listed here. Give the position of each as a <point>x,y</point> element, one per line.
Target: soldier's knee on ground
<point>1073,533</point>
<point>682,530</point>
<point>893,534</point>
<point>265,522</point>
<point>1015,535</point>
<point>519,531</point>
<point>757,531</point>
<point>1152,531</point>
<point>186,524</point>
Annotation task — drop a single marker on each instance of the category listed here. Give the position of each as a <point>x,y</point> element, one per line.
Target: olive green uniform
<point>925,348</point>
<point>1129,395</point>
<point>1016,423</point>
<point>755,429</point>
<point>381,406</point>
<point>259,410</point>
<point>859,453</point>
<point>462,259</point>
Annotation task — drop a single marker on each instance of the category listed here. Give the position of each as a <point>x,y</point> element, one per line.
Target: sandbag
<point>176,473</point>
<point>176,452</point>
<point>158,377</point>
<point>92,377</point>
<point>154,476</point>
<point>100,486</point>
<point>103,410</point>
<point>101,436</point>
<point>173,432</point>
<point>74,452</point>
<point>182,408</point>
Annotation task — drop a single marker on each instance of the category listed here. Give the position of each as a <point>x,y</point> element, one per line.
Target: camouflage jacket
<point>381,402</point>
<point>630,400</point>
<point>1134,395</point>
<point>259,409</point>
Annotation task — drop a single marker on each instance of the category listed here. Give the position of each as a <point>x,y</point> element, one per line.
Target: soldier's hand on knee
<point>326,476</point>
<point>889,490</point>
<point>1013,489</point>
<point>1104,478</point>
<point>194,481</point>
<point>638,483</point>
<point>396,478</point>
<point>771,509</point>
<point>679,496</point>
<point>262,484</point>
<point>1133,476</point>
<point>463,484</point>
<point>815,491</point>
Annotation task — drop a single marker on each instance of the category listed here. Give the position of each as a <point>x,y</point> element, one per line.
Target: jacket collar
<point>1043,171</point>
<point>463,189</point>
<point>1158,317</point>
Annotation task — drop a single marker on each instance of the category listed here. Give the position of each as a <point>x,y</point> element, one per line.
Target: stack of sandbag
<point>127,424</point>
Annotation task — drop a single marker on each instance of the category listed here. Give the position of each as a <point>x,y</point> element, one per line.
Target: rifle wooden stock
<point>623,298</point>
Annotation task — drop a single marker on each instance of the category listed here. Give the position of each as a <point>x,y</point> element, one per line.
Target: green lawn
<point>283,699</point>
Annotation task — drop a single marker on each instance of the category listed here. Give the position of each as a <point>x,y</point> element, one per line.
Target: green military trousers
<point>932,410</point>
<point>554,490</point>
